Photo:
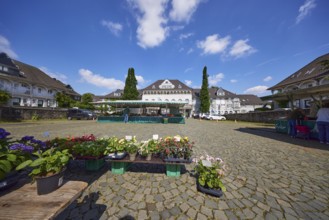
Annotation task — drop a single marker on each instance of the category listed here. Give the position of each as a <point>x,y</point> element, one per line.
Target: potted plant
<point>209,171</point>
<point>115,148</point>
<point>131,147</point>
<point>176,149</point>
<point>147,148</point>
<point>12,153</point>
<point>48,169</point>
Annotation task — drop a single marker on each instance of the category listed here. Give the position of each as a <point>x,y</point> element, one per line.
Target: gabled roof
<point>250,100</point>
<point>178,85</point>
<point>313,70</point>
<point>34,76</point>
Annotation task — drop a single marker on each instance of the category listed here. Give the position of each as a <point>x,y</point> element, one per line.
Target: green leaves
<point>24,164</point>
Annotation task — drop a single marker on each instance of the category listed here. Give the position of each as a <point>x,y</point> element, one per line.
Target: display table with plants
<point>156,152</point>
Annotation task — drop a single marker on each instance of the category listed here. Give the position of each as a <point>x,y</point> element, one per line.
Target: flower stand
<point>94,165</point>
<point>119,167</point>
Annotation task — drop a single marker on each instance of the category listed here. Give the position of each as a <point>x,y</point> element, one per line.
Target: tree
<point>130,91</point>
<point>4,97</point>
<point>204,93</point>
<point>86,100</point>
<point>63,100</point>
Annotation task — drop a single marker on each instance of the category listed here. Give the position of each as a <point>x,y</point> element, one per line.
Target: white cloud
<point>182,10</point>
<point>214,79</point>
<point>188,69</point>
<point>256,90</point>
<point>185,36</point>
<point>115,28</point>
<point>188,82</point>
<point>305,9</point>
<point>100,81</point>
<point>190,51</point>
<point>241,48</point>
<point>59,76</point>
<point>151,31</point>
<point>233,80</point>
<point>213,44</point>
<point>5,47</point>
<point>268,78</point>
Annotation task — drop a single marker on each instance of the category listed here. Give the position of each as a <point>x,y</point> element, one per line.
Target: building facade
<point>307,85</point>
<point>29,86</point>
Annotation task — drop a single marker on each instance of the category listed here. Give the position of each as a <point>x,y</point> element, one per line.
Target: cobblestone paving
<point>271,176</point>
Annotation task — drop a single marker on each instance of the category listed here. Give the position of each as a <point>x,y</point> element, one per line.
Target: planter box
<point>177,160</point>
<point>173,170</point>
<point>10,180</point>
<point>116,156</point>
<point>49,184</point>
<point>212,192</point>
<point>93,165</point>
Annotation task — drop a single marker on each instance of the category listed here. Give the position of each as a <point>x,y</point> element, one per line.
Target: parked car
<point>204,115</point>
<point>80,114</point>
<point>215,117</point>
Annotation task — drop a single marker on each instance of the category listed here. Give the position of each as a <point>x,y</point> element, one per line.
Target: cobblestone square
<point>271,176</point>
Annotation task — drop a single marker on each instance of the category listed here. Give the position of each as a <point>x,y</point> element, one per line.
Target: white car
<point>216,117</point>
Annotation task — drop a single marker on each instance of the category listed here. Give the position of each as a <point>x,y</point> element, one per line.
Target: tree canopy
<point>4,97</point>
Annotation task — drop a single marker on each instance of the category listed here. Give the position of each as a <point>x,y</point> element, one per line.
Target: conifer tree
<point>204,93</point>
<point>130,91</point>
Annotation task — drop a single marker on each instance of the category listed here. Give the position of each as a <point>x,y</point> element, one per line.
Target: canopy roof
<point>141,104</point>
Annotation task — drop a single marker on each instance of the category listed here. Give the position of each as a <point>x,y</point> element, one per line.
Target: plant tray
<point>212,192</point>
<point>116,156</point>
<point>9,181</point>
<point>77,157</point>
<point>173,170</point>
<point>93,165</point>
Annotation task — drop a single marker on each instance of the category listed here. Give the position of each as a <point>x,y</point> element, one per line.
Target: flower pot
<point>132,156</point>
<point>49,184</point>
<point>10,180</point>
<point>116,156</point>
<point>209,191</point>
<point>148,157</point>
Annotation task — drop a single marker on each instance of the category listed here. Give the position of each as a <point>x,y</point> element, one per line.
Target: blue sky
<point>247,45</point>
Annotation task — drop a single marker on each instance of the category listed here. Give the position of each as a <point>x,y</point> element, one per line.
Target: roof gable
<point>167,84</point>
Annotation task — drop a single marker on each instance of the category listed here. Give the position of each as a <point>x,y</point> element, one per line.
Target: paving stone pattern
<point>270,176</point>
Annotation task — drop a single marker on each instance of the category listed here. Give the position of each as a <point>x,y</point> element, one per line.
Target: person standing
<point>322,123</point>
<point>294,117</point>
<point>126,115</point>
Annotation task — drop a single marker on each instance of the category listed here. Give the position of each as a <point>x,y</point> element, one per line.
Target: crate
<point>303,131</point>
<point>173,170</point>
<point>93,165</point>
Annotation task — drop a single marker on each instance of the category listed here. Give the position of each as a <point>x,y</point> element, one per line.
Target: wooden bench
<point>173,169</point>
<point>24,203</point>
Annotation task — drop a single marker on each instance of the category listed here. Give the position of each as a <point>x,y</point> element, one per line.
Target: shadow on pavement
<point>272,134</point>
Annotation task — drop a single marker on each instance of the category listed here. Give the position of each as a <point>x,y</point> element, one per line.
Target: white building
<point>29,86</point>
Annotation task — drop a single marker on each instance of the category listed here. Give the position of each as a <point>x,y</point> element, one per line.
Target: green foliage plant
<point>204,93</point>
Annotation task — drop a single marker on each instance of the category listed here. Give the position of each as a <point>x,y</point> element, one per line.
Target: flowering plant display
<point>210,171</point>
<point>131,146</point>
<point>176,147</point>
<point>148,147</point>
<point>93,148</point>
<point>11,153</point>
<point>69,142</point>
<point>114,145</point>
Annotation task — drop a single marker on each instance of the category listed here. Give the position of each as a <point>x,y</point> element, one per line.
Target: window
<point>39,90</point>
<point>16,101</point>
<point>50,91</point>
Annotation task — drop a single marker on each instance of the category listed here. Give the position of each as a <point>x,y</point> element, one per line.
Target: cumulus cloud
<point>305,9</point>
<point>100,81</point>
<point>182,10</point>
<point>214,79</point>
<point>213,44</point>
<point>256,90</point>
<point>59,76</point>
<point>115,28</point>
<point>5,47</point>
<point>188,82</point>
<point>241,48</point>
<point>233,80</point>
<point>268,78</point>
<point>151,31</point>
